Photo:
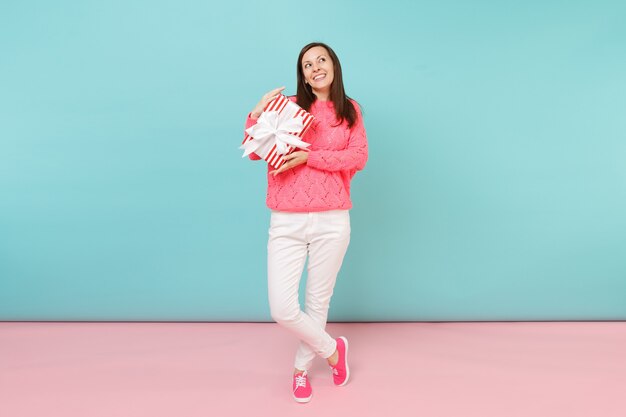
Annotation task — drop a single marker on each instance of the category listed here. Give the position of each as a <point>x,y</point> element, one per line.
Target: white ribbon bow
<point>268,127</point>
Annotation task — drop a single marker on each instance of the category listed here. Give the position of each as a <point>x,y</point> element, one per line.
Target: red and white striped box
<point>286,109</point>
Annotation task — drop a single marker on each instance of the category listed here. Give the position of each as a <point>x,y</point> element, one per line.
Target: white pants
<point>323,236</point>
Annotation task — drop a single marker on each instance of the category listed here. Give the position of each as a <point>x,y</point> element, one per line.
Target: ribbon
<point>270,126</point>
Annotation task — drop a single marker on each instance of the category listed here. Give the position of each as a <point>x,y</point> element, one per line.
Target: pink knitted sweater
<point>335,155</point>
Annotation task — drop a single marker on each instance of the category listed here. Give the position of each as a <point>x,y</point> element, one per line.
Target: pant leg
<point>327,248</point>
<point>287,251</point>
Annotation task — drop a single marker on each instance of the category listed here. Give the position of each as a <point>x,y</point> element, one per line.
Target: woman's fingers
<point>283,168</point>
<point>278,171</point>
<point>269,96</point>
<point>277,90</point>
<point>291,160</point>
<point>272,95</point>
<point>296,154</point>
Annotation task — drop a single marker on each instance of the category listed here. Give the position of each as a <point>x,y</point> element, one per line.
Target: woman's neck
<point>322,95</point>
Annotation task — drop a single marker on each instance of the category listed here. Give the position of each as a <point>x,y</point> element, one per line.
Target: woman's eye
<point>322,59</point>
<point>307,65</point>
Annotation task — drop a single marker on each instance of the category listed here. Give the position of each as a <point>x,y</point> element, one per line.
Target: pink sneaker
<point>302,391</point>
<point>341,372</point>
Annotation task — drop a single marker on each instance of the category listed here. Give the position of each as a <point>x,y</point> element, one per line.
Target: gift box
<point>278,131</point>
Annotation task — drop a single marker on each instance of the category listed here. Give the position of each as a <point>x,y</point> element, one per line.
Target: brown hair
<point>344,109</point>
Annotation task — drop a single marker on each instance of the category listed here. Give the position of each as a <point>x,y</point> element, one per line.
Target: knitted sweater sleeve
<point>251,122</point>
<point>353,157</point>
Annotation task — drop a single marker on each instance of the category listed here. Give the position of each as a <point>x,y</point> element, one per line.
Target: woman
<point>310,197</point>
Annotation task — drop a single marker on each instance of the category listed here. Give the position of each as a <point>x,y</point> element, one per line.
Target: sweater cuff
<point>314,160</point>
<point>250,121</point>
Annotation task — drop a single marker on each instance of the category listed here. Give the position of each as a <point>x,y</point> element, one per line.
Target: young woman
<point>310,197</point>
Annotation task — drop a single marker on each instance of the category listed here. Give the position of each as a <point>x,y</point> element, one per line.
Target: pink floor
<point>243,369</point>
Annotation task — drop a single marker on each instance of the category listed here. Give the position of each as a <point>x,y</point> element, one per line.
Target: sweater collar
<point>323,104</point>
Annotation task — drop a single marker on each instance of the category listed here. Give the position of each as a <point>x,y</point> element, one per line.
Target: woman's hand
<point>269,96</point>
<point>292,160</point>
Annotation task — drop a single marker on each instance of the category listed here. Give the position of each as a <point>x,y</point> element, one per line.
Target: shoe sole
<point>345,342</point>
<point>303,400</point>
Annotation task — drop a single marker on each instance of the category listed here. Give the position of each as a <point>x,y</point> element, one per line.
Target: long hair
<point>344,109</point>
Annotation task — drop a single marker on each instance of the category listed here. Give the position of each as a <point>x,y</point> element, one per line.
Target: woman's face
<point>318,69</point>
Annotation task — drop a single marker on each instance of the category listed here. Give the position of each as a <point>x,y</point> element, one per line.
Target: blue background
<point>495,188</point>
